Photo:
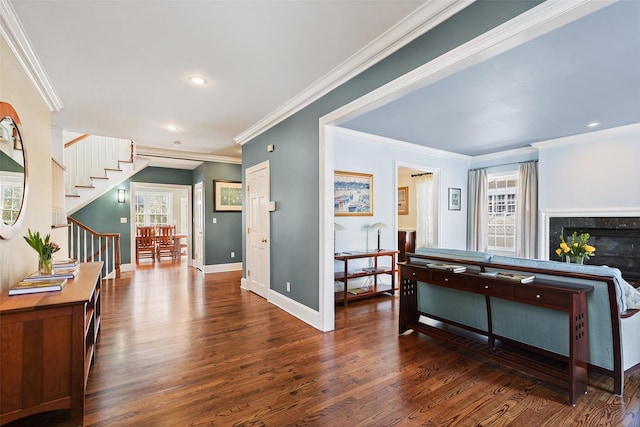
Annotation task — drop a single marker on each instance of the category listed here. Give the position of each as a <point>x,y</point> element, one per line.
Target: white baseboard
<point>302,312</point>
<point>244,284</point>
<point>219,268</point>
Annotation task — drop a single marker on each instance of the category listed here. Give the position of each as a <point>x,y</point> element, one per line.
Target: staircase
<point>94,165</point>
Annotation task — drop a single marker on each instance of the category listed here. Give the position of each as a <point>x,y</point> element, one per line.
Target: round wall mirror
<point>13,172</point>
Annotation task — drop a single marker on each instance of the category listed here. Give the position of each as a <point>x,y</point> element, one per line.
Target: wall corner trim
<point>18,42</point>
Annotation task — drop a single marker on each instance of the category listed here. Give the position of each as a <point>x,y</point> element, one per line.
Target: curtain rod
<point>421,174</point>
<point>504,164</point>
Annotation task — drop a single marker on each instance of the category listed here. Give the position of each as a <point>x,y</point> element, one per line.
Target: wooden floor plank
<point>180,348</point>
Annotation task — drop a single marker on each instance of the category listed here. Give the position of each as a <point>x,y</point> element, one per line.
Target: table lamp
<point>379,226</point>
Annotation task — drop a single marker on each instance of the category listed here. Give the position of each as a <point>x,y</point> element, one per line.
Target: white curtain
<point>425,211</point>
<point>477,209</point>
<point>527,210</point>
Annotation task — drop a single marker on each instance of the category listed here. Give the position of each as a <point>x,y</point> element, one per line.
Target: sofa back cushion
<point>455,253</point>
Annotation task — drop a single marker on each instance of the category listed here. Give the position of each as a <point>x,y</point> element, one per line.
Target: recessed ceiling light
<point>171,127</point>
<point>197,80</point>
<point>593,124</point>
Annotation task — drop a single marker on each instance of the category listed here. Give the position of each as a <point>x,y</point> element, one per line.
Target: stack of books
<point>454,268</point>
<point>32,287</point>
<point>522,278</point>
<point>63,270</point>
<point>65,263</point>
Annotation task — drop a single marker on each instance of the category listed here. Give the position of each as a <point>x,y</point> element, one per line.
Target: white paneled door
<point>258,225</point>
<point>198,220</point>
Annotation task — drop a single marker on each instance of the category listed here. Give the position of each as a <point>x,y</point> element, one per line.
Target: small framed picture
<point>353,194</point>
<point>403,200</point>
<point>455,195</point>
<point>227,196</point>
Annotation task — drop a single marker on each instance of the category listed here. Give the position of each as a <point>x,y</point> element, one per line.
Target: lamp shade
<point>121,195</point>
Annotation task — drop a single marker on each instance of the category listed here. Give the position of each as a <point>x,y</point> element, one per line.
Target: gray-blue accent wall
<point>294,164</point>
<point>225,236</point>
<point>103,214</point>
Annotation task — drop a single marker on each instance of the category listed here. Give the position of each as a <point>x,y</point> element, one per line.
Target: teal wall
<point>225,236</point>
<point>103,214</point>
<point>7,164</point>
<point>294,163</point>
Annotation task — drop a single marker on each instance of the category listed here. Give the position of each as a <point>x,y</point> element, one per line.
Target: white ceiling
<point>549,87</point>
<point>121,67</point>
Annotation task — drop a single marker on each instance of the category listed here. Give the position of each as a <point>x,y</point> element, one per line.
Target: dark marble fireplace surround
<point>616,239</point>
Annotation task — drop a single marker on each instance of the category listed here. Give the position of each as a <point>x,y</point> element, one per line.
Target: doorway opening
<point>158,205</point>
<point>418,198</point>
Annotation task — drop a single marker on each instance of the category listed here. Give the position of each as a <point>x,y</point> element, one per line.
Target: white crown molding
<point>516,152</point>
<point>185,155</point>
<point>429,15</point>
<point>398,144</point>
<point>547,214</point>
<point>19,43</point>
<point>631,132</point>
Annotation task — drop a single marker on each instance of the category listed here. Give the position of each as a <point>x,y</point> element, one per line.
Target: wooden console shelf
<point>48,343</point>
<point>377,288</point>
<point>569,372</point>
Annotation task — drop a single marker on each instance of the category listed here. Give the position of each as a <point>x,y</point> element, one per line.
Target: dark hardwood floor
<point>180,349</point>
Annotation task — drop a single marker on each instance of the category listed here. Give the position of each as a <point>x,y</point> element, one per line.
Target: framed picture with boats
<point>353,194</point>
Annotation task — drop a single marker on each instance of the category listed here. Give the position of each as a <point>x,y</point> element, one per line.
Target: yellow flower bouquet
<point>577,249</point>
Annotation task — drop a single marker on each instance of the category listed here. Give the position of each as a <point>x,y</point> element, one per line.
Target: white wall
<point>363,153</point>
<point>595,174</point>
<point>17,259</point>
<point>599,171</point>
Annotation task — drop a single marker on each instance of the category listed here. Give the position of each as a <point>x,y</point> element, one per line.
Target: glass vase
<point>45,265</point>
<point>574,260</point>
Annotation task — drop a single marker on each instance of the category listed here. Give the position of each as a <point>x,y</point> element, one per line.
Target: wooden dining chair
<point>167,244</point>
<point>145,243</point>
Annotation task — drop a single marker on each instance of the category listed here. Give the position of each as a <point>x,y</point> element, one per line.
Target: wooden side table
<point>343,276</point>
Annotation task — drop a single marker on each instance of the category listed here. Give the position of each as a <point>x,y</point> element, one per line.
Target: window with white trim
<point>153,208</point>
<point>11,193</point>
<point>501,211</point>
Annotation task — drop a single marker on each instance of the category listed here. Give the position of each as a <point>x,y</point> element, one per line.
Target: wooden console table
<point>346,274</point>
<point>569,372</point>
<point>48,343</point>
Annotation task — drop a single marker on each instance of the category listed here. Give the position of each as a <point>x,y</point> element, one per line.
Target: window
<point>501,211</point>
<point>152,209</point>
<point>11,187</point>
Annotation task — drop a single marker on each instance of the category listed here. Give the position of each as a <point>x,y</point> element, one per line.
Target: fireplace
<point>616,239</point>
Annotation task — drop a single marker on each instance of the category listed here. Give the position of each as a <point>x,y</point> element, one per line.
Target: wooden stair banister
<point>88,245</point>
<point>76,140</point>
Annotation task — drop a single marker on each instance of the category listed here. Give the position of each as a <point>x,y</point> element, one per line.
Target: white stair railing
<point>89,157</point>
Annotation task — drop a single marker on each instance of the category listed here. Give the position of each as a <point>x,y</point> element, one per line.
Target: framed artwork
<point>455,202</point>
<point>403,200</point>
<point>227,196</point>
<point>353,194</point>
